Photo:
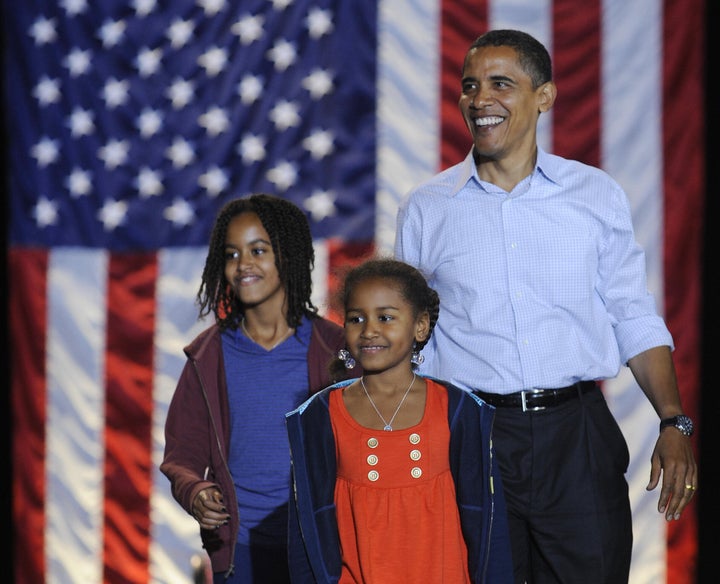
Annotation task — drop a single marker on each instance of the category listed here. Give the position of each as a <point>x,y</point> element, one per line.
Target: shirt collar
<point>466,172</point>
<point>545,165</point>
<point>548,166</point>
<point>302,335</point>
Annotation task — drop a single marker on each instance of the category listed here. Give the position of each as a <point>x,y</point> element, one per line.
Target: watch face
<point>685,425</point>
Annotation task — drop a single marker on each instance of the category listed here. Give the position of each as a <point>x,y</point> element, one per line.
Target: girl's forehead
<point>245,222</point>
<point>384,282</point>
<point>377,290</point>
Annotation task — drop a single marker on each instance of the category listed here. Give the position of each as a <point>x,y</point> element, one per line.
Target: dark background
<point>707,501</point>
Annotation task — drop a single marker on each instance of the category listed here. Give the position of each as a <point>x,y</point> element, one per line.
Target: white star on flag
<point>321,204</point>
<point>81,122</point>
<point>112,32</point>
<point>249,28</point>
<point>45,212</point>
<point>112,214</point>
<point>79,182</point>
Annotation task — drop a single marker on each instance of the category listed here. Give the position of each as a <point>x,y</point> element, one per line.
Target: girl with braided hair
<point>395,478</point>
<point>226,447</point>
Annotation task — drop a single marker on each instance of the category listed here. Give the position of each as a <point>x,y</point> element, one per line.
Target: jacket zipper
<point>491,488</point>
<point>231,569</point>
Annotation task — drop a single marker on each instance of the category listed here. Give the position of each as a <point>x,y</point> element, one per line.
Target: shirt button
<point>415,455</point>
<point>373,475</point>
<point>414,438</point>
<point>416,472</point>
<point>372,460</point>
<point>372,442</point>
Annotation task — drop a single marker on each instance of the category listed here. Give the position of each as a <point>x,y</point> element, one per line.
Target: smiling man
<point>543,294</point>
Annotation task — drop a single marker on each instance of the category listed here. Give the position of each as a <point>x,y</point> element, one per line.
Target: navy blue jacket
<point>314,545</point>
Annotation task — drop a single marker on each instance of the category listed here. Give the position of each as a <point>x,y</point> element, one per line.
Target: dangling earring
<point>416,358</point>
<point>345,357</point>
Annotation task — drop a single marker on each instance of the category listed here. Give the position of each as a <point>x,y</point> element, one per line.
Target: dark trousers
<point>563,471</point>
<point>257,565</point>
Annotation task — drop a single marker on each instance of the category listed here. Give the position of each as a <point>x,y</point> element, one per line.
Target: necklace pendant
<point>388,424</point>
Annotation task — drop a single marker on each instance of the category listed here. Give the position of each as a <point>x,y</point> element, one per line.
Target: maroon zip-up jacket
<point>197,428</point>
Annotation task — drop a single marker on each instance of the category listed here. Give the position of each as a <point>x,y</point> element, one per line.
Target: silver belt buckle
<point>523,398</point>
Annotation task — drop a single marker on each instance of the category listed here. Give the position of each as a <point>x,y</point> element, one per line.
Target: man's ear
<point>546,95</point>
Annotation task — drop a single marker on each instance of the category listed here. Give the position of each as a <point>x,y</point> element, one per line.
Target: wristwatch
<point>682,423</point>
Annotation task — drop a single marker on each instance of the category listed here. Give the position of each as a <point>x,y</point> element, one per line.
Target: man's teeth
<point>488,121</point>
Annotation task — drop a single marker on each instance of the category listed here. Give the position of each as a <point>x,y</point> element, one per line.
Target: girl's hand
<point>209,509</point>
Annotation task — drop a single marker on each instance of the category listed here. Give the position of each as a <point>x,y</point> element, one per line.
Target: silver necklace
<point>388,425</point>
<point>249,336</point>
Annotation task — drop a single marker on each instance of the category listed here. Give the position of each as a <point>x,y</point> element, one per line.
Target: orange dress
<point>396,508</point>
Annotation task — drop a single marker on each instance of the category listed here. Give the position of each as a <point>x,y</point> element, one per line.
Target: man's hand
<point>673,458</point>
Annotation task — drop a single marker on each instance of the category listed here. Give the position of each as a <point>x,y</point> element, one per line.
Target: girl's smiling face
<point>381,325</point>
<point>250,261</point>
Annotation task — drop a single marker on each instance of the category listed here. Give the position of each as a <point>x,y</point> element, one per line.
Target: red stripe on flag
<point>128,416</point>
<point>27,270</point>
<point>576,70</point>
<point>684,188</point>
<point>462,23</point>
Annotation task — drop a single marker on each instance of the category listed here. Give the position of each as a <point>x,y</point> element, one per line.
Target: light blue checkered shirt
<point>540,287</point>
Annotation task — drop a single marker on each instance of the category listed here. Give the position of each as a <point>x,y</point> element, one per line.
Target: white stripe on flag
<point>408,149</point>
<point>632,153</point>
<point>75,416</point>
<point>175,535</point>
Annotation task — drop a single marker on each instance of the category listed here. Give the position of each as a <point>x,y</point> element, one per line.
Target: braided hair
<point>292,245</point>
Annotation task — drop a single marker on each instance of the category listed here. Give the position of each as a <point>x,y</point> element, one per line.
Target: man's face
<point>499,104</point>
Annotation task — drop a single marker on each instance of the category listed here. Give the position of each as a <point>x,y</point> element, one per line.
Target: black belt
<point>537,399</point>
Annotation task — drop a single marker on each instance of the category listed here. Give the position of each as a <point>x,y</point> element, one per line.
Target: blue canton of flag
<point>133,122</point>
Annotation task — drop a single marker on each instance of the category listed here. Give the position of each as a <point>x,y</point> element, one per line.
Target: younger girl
<point>394,474</point>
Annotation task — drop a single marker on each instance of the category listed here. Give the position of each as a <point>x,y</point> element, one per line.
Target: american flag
<point>131,123</point>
